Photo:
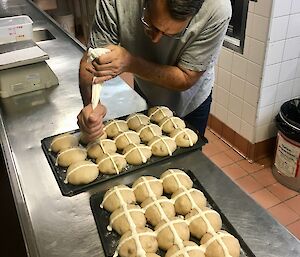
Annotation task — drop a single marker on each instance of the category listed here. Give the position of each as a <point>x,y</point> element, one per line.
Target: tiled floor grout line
<point>292,222</point>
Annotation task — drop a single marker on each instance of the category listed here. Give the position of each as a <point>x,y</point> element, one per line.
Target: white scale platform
<point>23,69</point>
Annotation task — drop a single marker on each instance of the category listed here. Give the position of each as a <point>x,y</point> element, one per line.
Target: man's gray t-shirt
<point>118,22</point>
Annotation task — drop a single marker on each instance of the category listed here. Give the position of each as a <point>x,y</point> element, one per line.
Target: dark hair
<point>183,9</point>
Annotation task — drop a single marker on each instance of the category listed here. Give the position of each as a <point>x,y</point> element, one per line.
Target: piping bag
<point>92,54</point>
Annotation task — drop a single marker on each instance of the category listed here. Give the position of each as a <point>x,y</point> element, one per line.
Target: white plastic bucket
<point>16,28</point>
<point>287,159</point>
<point>287,162</point>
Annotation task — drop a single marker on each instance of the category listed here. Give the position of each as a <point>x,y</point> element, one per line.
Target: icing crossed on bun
<point>111,163</point>
<point>168,124</point>
<point>63,141</point>
<point>82,172</point>
<point>157,113</point>
<point>115,127</point>
<point>135,120</point>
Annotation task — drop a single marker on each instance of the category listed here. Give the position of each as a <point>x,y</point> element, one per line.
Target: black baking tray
<point>110,239</point>
<point>70,190</point>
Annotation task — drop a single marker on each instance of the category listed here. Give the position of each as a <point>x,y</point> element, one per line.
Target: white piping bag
<point>92,54</point>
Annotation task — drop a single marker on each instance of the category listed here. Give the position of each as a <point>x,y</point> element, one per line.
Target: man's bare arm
<point>85,81</point>
<point>119,60</point>
<point>171,77</point>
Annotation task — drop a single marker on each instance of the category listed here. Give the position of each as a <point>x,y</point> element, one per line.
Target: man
<point>170,46</point>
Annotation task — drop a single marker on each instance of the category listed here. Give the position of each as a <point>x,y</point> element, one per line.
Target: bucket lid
<point>290,113</point>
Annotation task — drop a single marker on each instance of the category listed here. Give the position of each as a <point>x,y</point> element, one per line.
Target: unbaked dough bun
<point>171,232</point>
<point>101,146</point>
<point>126,138</point>
<point>137,154</point>
<point>63,141</point>
<point>122,219</point>
<point>221,244</point>
<point>202,221</point>
<point>83,138</point>
<point>151,255</point>
<point>158,209</point>
<point>82,172</point>
<point>147,132</point>
<point>71,155</point>
<point>157,113</point>
<point>116,197</point>
<point>190,249</point>
<point>162,146</point>
<point>168,124</point>
<point>115,127</point>
<point>113,163</point>
<point>188,199</point>
<point>135,120</point>
<point>147,186</point>
<point>137,243</point>
<point>184,137</point>
<point>173,179</point>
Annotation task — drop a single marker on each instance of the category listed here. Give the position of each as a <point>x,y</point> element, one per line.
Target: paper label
<point>33,78</point>
<point>287,157</point>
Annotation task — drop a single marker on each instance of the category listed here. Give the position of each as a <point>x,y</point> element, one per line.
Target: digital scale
<point>23,69</point>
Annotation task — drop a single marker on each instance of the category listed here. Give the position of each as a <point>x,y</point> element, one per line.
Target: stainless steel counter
<point>54,225</point>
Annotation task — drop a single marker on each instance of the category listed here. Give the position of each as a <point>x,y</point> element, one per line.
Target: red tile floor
<point>256,180</point>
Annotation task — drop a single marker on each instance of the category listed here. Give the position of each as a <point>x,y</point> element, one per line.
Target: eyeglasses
<point>152,28</point>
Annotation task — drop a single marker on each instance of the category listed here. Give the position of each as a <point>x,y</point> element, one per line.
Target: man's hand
<point>91,121</point>
<point>111,64</point>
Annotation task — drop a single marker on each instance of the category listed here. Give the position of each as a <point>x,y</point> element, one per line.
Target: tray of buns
<point>129,143</point>
<point>171,215</point>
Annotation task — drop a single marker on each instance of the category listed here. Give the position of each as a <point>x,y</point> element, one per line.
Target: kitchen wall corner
<point>250,87</point>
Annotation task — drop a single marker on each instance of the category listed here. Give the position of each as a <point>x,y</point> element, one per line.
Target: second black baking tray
<point>70,190</point>
<point>110,239</point>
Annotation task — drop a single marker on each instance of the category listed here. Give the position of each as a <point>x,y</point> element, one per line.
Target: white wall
<point>250,87</point>
<point>281,76</point>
